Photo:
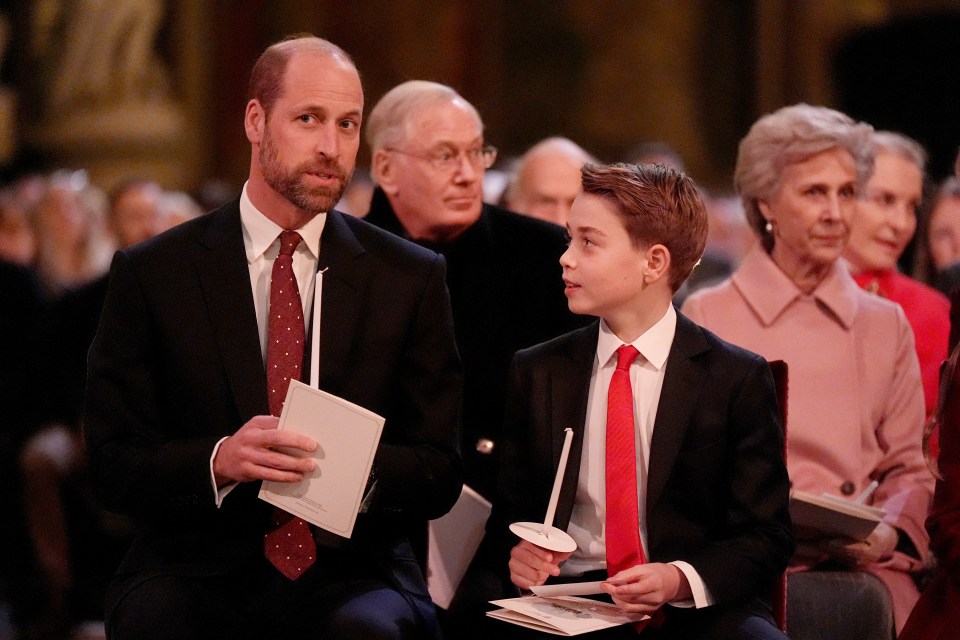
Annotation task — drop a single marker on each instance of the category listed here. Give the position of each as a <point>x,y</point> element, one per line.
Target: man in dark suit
<point>428,158</point>
<point>177,401</point>
<point>708,488</point>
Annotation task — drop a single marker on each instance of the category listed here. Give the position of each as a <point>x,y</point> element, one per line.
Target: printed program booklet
<point>347,436</point>
<point>816,517</point>
<point>561,615</point>
<point>452,541</point>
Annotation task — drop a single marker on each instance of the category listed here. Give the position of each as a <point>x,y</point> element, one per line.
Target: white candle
<point>557,482</point>
<point>315,333</point>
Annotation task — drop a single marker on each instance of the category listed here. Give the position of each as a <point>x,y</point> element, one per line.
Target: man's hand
<point>252,454</point>
<point>530,565</point>
<point>879,545</point>
<point>644,588</point>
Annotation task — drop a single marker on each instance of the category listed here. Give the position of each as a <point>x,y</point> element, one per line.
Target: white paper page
<point>453,541</point>
<point>525,621</point>
<point>347,436</point>
<point>568,589</point>
<point>570,615</point>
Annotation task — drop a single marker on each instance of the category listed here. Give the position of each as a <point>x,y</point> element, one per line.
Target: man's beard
<point>290,185</point>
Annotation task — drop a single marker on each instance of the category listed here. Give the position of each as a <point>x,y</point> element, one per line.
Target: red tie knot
<point>626,354</point>
<point>288,242</point>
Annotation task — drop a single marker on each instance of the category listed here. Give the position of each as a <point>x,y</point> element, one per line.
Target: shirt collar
<point>654,345</point>
<point>769,291</point>
<point>260,232</point>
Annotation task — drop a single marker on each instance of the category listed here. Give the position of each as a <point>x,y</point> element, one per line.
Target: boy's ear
<point>658,264</point>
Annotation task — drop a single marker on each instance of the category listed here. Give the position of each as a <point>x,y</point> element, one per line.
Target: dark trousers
<point>342,596</point>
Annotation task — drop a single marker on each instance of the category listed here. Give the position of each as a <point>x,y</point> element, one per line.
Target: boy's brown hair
<point>658,205</point>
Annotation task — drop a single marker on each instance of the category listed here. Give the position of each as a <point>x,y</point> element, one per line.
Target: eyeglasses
<point>448,158</point>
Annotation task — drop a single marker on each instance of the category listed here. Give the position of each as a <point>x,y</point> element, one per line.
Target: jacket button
<point>847,488</point>
<point>484,446</point>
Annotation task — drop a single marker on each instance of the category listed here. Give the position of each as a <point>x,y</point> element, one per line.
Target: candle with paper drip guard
<point>546,535</point>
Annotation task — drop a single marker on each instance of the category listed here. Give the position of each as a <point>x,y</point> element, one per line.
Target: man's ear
<point>383,171</point>
<point>658,263</point>
<point>254,122</point>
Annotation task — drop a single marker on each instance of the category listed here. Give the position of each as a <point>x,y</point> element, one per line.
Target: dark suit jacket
<point>507,293</point>
<point>177,365</point>
<point>717,488</point>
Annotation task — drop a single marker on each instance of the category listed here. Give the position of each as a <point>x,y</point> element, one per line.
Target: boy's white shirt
<point>587,521</point>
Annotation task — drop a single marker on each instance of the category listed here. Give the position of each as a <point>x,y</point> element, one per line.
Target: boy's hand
<point>644,588</point>
<point>530,565</point>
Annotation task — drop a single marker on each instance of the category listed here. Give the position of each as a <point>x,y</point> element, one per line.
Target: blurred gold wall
<point>606,73</point>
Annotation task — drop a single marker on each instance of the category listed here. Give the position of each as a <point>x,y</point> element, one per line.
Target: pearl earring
<point>769,227</point>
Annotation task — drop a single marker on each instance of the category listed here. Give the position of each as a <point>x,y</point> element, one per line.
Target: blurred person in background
<point>21,310</point>
<point>64,222</point>
<point>546,180</point>
<point>76,544</point>
<point>937,614</point>
<point>177,207</point>
<point>883,223</point>
<point>17,242</point>
<point>938,241</point>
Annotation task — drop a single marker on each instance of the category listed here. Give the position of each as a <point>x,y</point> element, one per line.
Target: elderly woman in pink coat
<point>855,404</point>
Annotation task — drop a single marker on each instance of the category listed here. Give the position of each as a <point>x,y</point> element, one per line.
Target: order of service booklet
<point>561,615</point>
<point>452,541</point>
<point>347,436</point>
<point>816,517</point>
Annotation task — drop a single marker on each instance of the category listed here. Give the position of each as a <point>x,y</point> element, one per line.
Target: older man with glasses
<point>428,157</point>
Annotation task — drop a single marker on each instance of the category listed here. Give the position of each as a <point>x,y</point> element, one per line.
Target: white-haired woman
<point>855,402</point>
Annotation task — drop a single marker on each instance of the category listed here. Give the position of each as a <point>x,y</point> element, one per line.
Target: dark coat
<point>506,292</point>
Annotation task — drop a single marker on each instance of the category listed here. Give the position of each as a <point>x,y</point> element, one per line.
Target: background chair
<point>778,599</point>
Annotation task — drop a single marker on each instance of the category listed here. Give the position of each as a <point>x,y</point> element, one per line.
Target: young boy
<point>675,490</point>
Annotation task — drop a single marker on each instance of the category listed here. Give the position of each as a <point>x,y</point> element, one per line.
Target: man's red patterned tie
<point>290,546</point>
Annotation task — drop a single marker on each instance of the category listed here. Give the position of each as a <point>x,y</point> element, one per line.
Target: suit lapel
<point>343,284</point>
<point>225,281</point>
<point>682,382</point>
<point>567,393</point>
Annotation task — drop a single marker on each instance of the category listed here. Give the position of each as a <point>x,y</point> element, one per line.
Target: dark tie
<point>624,548</point>
<point>289,546</point>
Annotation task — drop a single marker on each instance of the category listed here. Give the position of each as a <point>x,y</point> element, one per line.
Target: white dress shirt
<point>588,519</point>
<point>262,245</point>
